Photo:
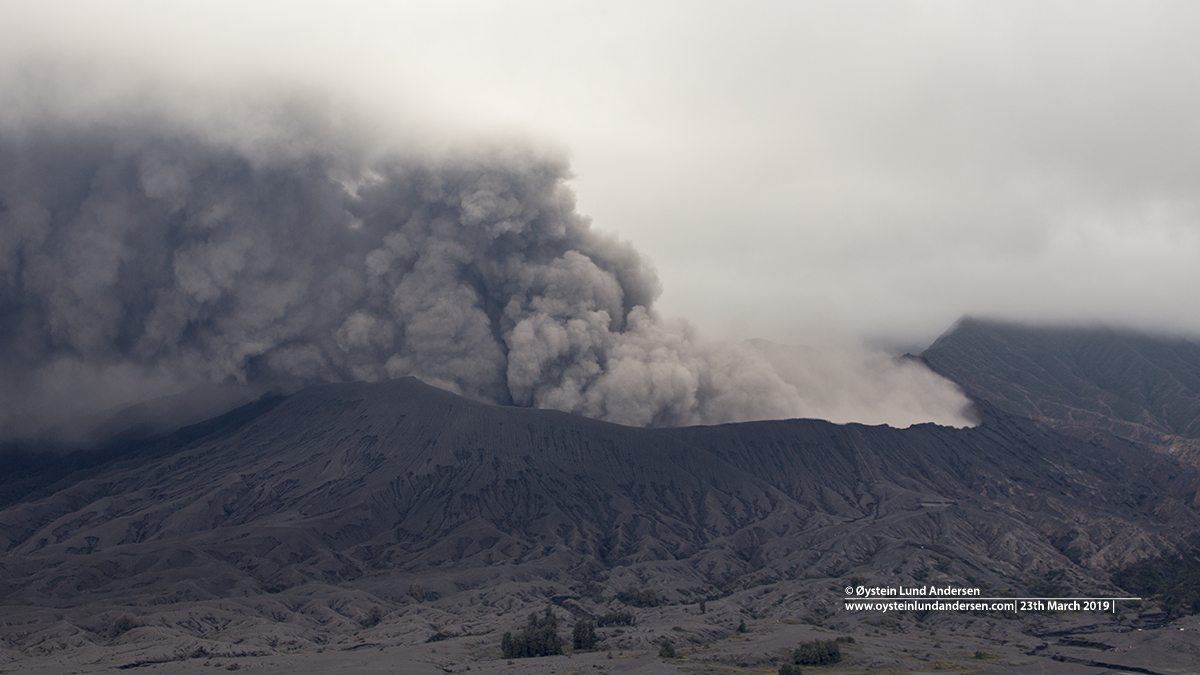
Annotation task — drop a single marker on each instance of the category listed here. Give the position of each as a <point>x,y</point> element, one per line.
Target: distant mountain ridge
<point>1141,387</point>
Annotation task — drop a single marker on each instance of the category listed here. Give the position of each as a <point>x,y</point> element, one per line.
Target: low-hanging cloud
<point>143,258</point>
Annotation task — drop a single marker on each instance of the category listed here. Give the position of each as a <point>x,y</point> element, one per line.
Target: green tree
<point>539,638</point>
<point>667,650</point>
<point>584,635</point>
<point>817,653</point>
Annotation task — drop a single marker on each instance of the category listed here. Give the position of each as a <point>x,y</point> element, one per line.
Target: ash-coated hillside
<point>395,513</point>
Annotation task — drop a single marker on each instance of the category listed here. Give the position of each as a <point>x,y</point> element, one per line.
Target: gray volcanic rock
<point>278,526</point>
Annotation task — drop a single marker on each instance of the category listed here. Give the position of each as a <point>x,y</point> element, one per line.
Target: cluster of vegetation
<point>818,653</point>
<point>616,619</point>
<point>1173,580</point>
<point>667,649</point>
<point>372,617</point>
<point>637,597</point>
<point>584,636</point>
<point>122,625</point>
<point>539,638</point>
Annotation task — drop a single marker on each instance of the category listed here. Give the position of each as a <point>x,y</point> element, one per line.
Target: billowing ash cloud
<point>143,259</point>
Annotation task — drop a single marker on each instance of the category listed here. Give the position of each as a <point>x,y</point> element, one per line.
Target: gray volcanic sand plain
<point>1064,643</point>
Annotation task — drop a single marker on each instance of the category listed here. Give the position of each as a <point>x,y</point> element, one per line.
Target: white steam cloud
<point>142,255</point>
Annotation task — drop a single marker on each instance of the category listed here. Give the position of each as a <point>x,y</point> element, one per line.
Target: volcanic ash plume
<point>144,260</point>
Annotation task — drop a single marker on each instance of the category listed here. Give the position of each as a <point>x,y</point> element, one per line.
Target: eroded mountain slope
<point>344,483</point>
<point>1089,381</point>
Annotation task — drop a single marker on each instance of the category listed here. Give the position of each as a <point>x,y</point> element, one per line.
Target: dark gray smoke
<point>143,259</point>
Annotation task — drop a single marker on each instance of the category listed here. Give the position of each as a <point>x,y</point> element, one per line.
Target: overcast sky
<point>791,169</point>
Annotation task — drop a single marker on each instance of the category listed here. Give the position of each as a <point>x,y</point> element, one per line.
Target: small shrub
<point>742,626</point>
<point>616,619</point>
<point>638,597</point>
<point>981,655</point>
<point>122,625</point>
<point>667,650</point>
<point>373,617</point>
<point>790,669</point>
<point>817,653</point>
